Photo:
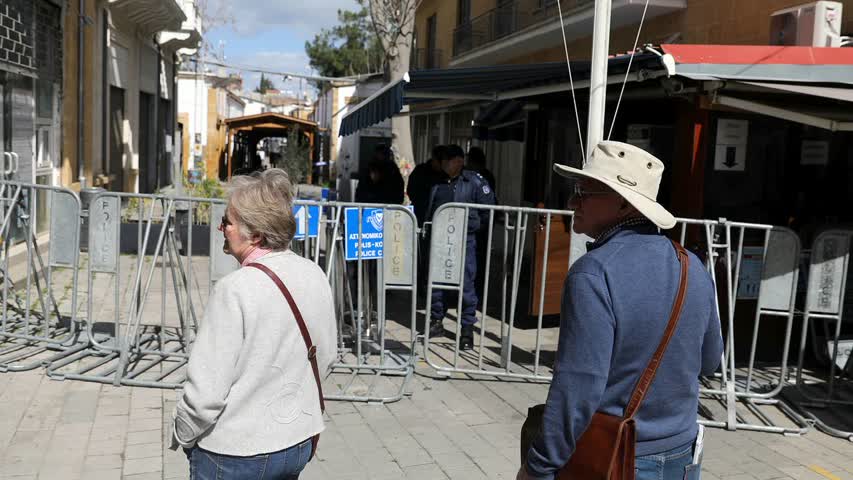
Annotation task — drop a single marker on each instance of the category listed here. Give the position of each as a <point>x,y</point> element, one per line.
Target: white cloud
<point>303,16</point>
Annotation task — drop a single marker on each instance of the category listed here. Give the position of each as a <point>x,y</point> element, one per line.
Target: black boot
<point>466,338</point>
<point>436,328</point>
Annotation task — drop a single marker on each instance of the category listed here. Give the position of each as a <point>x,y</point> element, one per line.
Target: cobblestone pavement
<point>446,429</point>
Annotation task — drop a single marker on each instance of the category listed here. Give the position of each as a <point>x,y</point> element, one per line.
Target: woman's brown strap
<point>651,369</point>
<point>312,350</point>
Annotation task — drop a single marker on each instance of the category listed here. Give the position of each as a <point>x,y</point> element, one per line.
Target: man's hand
<point>522,474</point>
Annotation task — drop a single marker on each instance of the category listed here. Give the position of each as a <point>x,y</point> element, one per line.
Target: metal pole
<point>598,75</point>
<point>81,177</point>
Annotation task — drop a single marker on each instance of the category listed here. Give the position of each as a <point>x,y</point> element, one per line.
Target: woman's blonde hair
<point>262,204</point>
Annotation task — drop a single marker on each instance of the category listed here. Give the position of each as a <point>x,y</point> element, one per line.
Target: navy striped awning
<point>492,83</point>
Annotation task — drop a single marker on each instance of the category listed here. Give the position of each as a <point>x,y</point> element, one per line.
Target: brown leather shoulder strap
<point>306,336</point>
<point>652,368</point>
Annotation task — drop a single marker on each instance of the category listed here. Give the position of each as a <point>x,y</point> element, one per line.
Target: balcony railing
<point>426,59</point>
<point>507,18</point>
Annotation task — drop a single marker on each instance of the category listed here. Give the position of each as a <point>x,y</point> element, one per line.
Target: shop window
<point>44,150</point>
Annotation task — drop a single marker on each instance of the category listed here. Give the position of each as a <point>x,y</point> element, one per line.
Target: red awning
<point>763,63</point>
<point>759,54</point>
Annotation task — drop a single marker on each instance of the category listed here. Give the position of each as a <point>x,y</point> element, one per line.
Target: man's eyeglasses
<point>579,193</point>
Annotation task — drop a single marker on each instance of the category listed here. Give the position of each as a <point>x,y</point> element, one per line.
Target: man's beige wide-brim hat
<point>630,171</point>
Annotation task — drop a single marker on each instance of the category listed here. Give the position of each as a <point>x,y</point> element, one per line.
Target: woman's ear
<point>257,239</point>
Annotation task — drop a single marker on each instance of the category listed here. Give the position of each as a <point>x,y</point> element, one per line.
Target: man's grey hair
<point>262,204</point>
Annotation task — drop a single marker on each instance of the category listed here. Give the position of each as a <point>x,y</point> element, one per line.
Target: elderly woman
<point>252,404</point>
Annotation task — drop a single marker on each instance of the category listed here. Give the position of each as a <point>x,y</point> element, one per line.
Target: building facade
<point>31,76</point>
<point>205,101</point>
<point>124,127</point>
<point>348,156</point>
<point>778,152</point>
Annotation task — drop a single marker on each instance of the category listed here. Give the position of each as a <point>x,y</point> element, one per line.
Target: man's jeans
<point>676,464</point>
<point>283,465</point>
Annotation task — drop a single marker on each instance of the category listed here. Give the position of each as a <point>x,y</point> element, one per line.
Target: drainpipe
<point>80,93</point>
<point>158,137</point>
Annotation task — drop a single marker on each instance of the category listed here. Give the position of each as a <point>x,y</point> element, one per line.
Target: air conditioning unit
<point>815,24</point>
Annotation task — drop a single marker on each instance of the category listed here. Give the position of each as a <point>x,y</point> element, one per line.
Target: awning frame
<point>784,114</point>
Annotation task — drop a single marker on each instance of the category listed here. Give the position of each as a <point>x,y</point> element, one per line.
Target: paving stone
<point>103,462</point>
<point>424,472</point>
<point>142,465</point>
<point>143,450</point>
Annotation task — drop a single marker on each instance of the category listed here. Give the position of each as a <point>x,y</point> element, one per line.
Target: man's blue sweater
<point>616,303</point>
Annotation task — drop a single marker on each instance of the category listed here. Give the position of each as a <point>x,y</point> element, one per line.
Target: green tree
<point>264,85</point>
<point>349,48</point>
<point>296,156</point>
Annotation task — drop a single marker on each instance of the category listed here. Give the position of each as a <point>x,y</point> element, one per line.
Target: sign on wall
<point>814,152</point>
<point>730,149</point>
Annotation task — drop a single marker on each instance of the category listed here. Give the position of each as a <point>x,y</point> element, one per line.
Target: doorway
<point>116,146</point>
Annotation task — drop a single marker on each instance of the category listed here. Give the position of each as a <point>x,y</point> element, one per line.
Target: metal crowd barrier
<point>506,233</point>
<point>39,313</point>
<point>766,256</point>
<point>372,365</point>
<point>140,324</point>
<point>771,256</point>
<point>143,306</point>
<point>825,301</point>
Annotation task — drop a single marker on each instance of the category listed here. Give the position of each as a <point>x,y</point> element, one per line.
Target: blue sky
<point>271,34</point>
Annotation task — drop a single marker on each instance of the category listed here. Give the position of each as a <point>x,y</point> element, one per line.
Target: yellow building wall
<point>726,22</point>
<point>91,76</point>
<point>184,119</point>
<point>215,147</point>
<point>445,14</point>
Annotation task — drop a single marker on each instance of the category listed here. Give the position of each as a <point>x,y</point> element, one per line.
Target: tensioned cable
<point>572,83</point>
<point>628,71</point>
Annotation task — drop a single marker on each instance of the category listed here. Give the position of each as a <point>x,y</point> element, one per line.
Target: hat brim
<point>646,206</point>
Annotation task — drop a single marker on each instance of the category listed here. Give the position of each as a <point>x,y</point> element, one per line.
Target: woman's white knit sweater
<point>250,388</point>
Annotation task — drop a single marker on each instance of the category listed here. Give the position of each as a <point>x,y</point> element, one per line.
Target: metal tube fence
<point>151,262</point>
<point>824,307</point>
<point>370,257</point>
<point>511,241</point>
<point>140,325</point>
<point>39,313</point>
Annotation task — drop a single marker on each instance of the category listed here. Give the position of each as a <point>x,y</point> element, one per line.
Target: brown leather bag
<point>606,450</point>
<point>306,337</point>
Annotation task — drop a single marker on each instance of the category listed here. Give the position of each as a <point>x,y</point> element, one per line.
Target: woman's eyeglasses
<point>224,222</point>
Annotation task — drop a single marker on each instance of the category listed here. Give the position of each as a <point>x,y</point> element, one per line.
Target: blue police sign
<point>372,236</point>
<point>307,221</point>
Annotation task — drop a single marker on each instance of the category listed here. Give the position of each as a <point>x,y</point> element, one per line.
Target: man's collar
<point>635,223</point>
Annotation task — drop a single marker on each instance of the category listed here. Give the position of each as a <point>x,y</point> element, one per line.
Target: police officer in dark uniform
<point>462,186</point>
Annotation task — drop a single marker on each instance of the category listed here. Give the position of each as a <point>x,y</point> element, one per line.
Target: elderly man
<point>616,304</point>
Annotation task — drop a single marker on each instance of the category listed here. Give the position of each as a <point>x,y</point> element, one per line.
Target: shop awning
<point>493,83</point>
<point>763,63</point>
<point>797,71</point>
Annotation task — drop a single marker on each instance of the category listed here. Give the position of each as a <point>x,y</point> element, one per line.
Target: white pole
<point>597,100</point>
<point>598,75</point>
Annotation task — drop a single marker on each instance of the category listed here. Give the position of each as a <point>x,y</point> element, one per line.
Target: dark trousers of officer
<point>469,291</point>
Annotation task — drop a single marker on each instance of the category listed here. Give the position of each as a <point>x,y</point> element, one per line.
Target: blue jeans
<point>286,464</point>
<point>676,464</point>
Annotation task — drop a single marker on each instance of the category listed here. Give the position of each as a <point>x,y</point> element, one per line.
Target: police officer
<point>462,186</point>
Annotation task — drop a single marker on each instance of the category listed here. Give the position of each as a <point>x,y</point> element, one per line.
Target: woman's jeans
<point>286,464</point>
<point>676,464</point>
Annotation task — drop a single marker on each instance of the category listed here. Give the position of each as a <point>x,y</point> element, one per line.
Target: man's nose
<point>574,202</point>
